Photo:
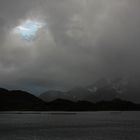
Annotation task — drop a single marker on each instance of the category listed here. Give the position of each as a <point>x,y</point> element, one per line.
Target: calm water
<point>73,126</point>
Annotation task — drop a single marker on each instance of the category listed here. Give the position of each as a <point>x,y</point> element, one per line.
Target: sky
<point>70,42</point>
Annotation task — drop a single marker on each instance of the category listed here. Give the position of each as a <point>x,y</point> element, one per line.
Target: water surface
<point>70,126</point>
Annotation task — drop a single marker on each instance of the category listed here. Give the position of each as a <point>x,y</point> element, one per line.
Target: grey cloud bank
<point>85,40</point>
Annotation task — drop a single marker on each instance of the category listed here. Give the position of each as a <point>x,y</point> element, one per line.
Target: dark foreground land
<point>113,125</point>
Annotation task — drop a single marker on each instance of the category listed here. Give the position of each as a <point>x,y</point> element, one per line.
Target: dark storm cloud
<point>86,40</point>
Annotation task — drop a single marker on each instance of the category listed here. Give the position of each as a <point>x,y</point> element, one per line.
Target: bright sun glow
<point>28,29</point>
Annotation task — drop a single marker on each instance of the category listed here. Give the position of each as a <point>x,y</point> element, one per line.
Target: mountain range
<point>105,94</point>
<point>103,89</point>
<point>17,100</point>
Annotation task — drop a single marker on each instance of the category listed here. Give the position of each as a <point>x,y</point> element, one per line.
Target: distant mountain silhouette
<point>80,93</point>
<point>116,105</point>
<point>67,105</point>
<point>53,95</point>
<point>19,100</point>
<point>103,89</point>
<point>75,94</point>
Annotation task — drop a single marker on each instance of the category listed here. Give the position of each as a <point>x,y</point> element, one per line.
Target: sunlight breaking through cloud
<point>28,30</point>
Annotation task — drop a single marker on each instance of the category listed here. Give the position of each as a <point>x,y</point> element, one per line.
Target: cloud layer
<point>84,41</point>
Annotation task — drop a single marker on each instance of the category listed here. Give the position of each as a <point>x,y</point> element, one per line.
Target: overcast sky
<point>82,41</point>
